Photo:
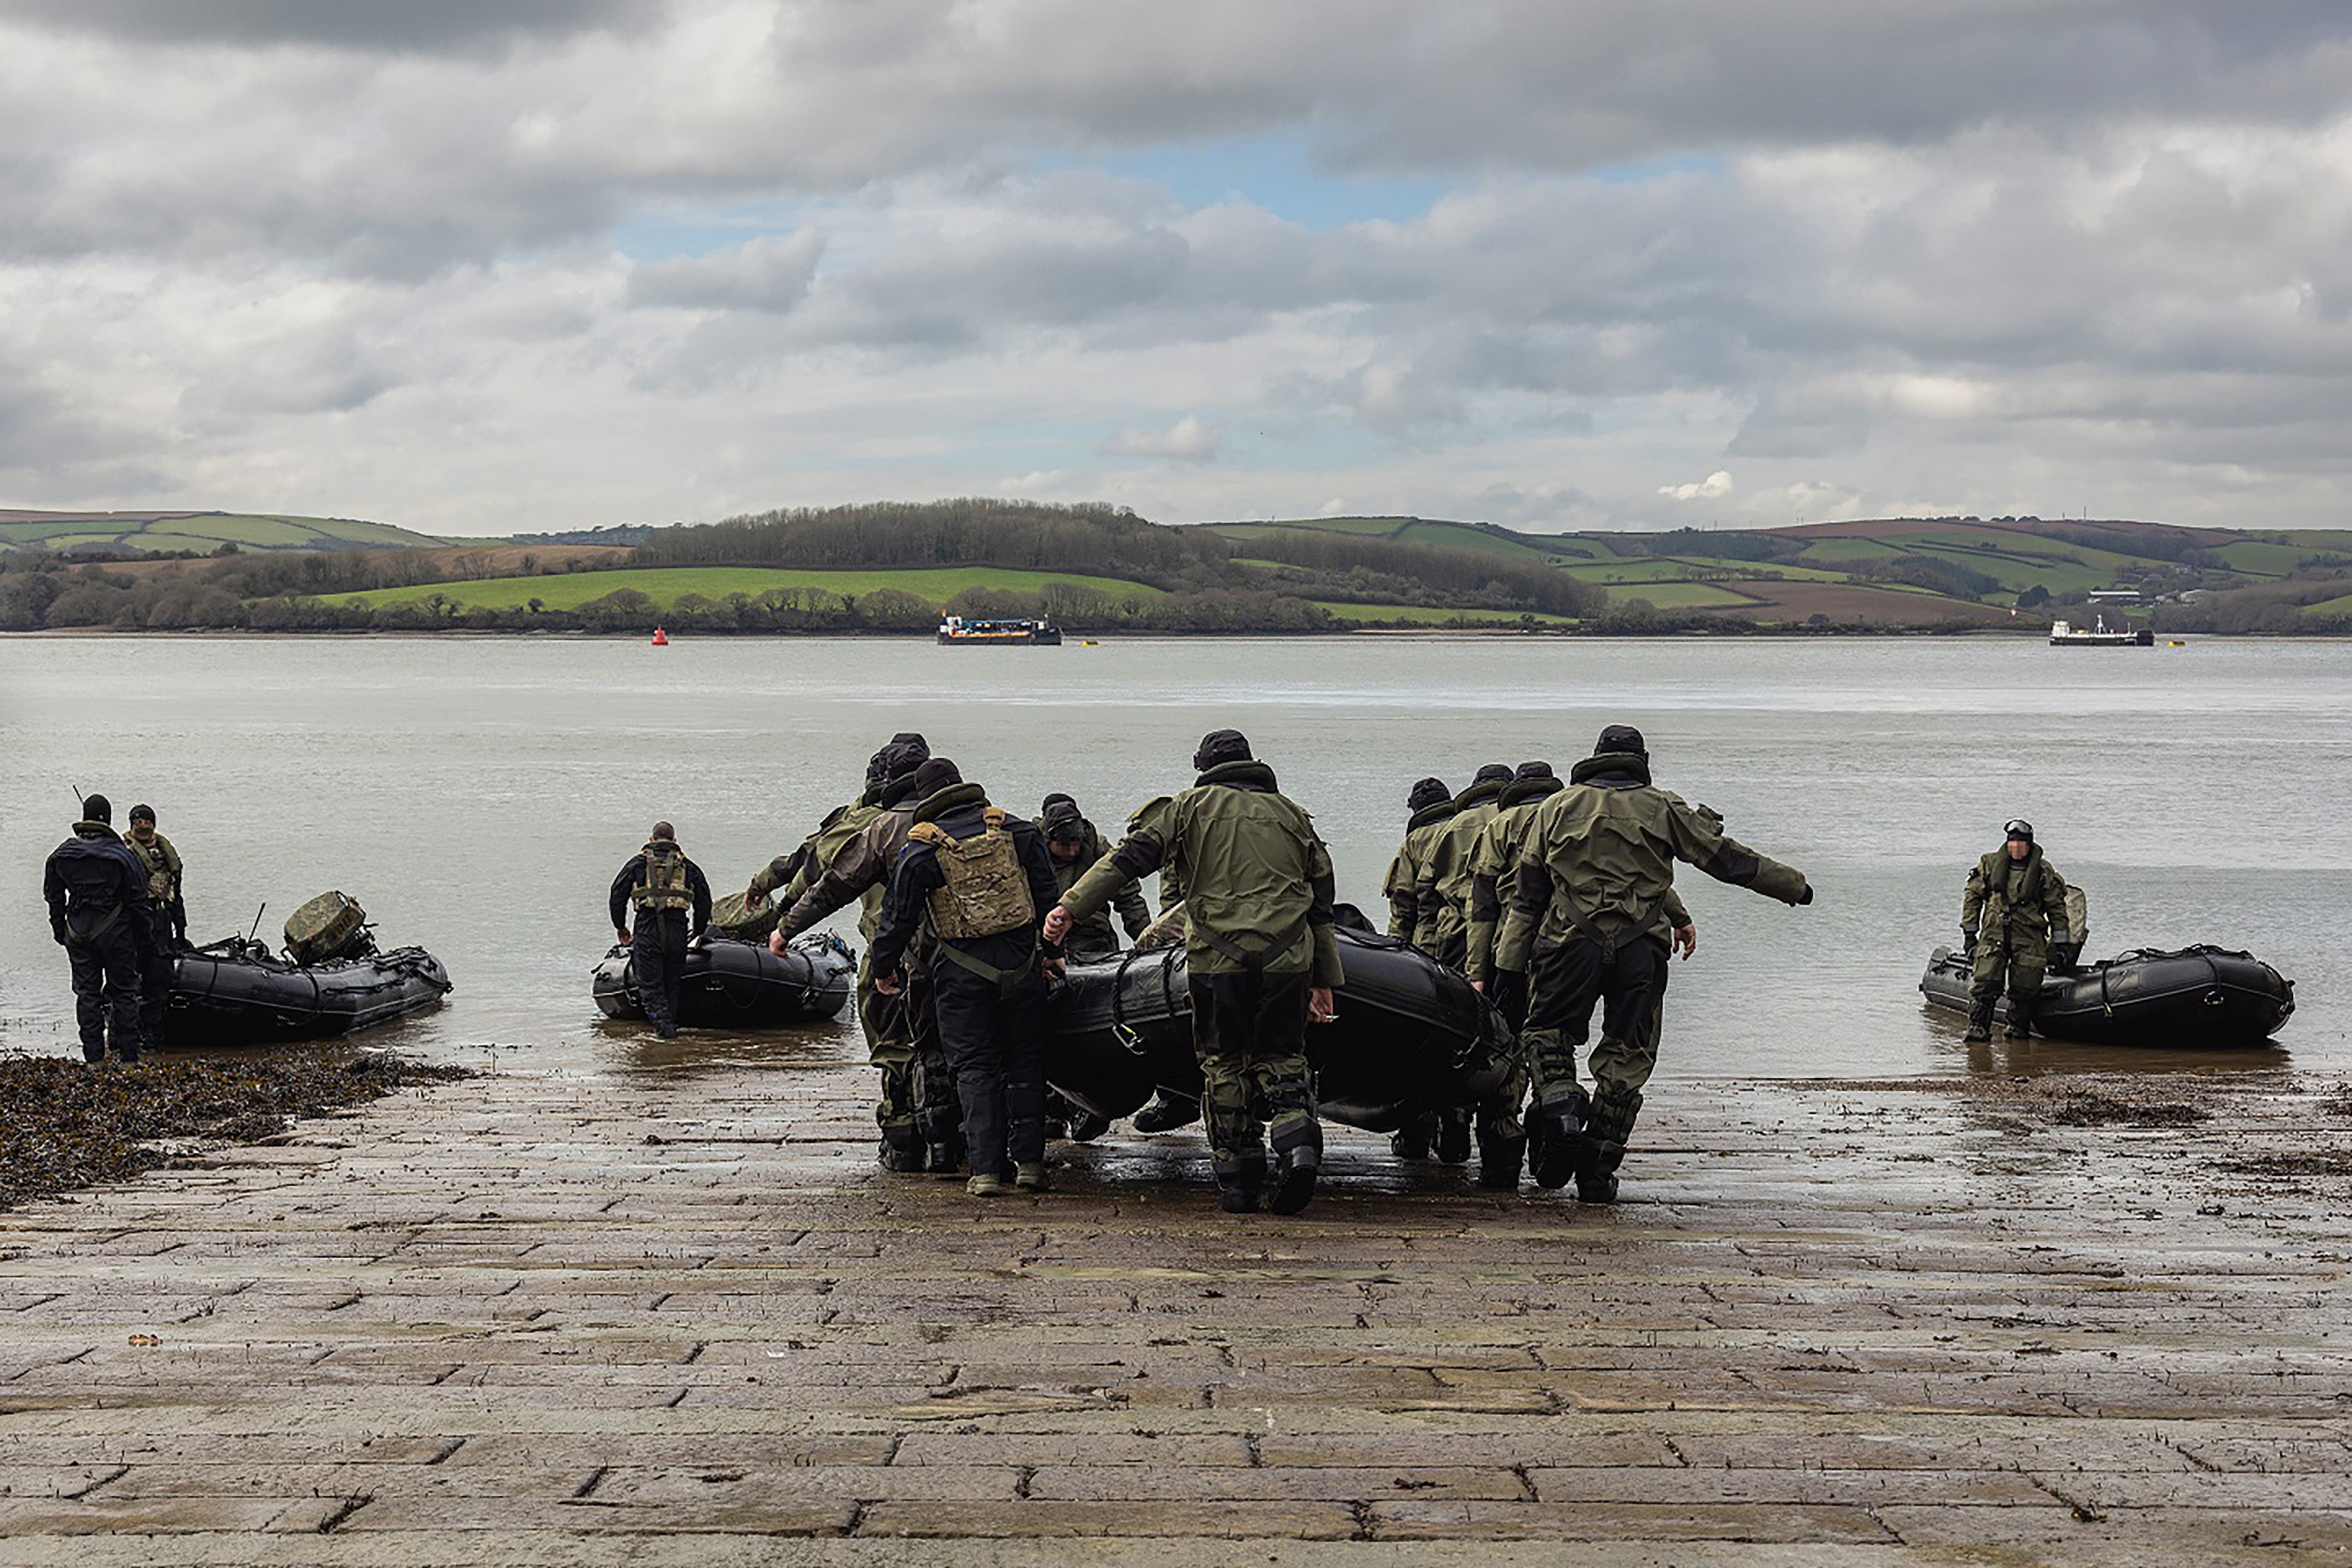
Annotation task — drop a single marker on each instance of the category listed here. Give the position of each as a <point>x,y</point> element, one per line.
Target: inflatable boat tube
<point>2197,998</point>
<point>1409,1035</point>
<point>237,992</point>
<point>742,985</point>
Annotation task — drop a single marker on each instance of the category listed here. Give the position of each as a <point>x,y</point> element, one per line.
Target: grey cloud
<point>433,26</point>
<point>770,273</point>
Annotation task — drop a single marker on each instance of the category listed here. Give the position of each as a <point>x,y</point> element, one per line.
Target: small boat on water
<point>742,985</point>
<point>237,992</point>
<point>1411,1035</point>
<point>2066,635</point>
<point>2196,999</point>
<point>957,631</point>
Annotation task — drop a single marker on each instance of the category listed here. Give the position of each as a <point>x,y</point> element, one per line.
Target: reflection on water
<point>1950,1051</point>
<point>637,1047</point>
<point>477,795</point>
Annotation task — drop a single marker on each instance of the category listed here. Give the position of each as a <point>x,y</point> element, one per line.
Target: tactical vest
<point>157,858</point>
<point>663,886</point>
<point>985,892</point>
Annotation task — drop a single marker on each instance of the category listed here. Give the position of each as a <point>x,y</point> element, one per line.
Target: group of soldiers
<point>1556,899</point>
<point>1553,896</point>
<point>117,909</point>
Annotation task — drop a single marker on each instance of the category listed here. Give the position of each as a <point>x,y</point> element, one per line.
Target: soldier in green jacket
<point>1168,1109</point>
<point>1260,954</point>
<point>1588,926</point>
<point>2013,911</point>
<point>1443,882</point>
<point>160,862</point>
<point>917,1112</point>
<point>1427,806</point>
<point>1076,846</point>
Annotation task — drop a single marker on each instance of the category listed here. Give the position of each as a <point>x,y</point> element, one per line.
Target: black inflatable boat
<point>742,985</point>
<point>236,992</point>
<point>1409,1035</point>
<point>2198,998</point>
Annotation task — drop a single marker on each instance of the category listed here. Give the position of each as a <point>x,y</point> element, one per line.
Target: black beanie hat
<point>1428,792</point>
<point>1533,770</point>
<point>1619,739</point>
<point>97,808</point>
<point>1045,806</point>
<point>1061,817</point>
<point>903,760</point>
<point>934,775</point>
<point>910,738</point>
<point>878,767</point>
<point>1220,746</point>
<point>1493,773</point>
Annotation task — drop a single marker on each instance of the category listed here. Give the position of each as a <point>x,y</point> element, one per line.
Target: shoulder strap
<point>931,833</point>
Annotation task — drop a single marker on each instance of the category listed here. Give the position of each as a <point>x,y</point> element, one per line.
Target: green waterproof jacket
<point>1444,885</point>
<point>1257,879</point>
<point>1171,880</point>
<point>858,867</point>
<point>2017,904</point>
<point>1597,860</point>
<point>789,875</point>
<point>1095,934</point>
<point>1402,886</point>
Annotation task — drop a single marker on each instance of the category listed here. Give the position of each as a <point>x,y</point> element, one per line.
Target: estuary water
<point>478,794</point>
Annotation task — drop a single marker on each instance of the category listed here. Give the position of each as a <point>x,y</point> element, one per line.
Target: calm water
<point>477,795</point>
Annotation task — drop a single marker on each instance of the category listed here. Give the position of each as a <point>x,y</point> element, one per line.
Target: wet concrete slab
<point>679,1317</point>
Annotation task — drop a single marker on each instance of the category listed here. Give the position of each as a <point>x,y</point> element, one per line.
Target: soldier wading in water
<point>1588,926</point>
<point>2013,911</point>
<point>662,888</point>
<point>1260,955</point>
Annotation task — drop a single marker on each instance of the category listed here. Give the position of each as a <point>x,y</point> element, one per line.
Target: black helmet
<point>934,775</point>
<point>1428,792</point>
<point>2018,827</point>
<point>1220,746</point>
<point>1532,770</point>
<point>1621,740</point>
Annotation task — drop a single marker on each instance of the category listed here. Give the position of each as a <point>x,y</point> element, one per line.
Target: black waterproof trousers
<point>156,969</point>
<point>994,1036</point>
<point>1567,983</point>
<point>106,982</point>
<point>657,961</point>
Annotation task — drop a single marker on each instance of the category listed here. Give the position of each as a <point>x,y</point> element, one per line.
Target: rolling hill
<point>200,532</point>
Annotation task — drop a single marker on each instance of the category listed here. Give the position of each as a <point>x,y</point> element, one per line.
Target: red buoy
<point>661,638</point>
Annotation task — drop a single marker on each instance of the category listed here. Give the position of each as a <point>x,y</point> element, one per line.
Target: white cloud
<point>1188,440</point>
<point>1717,484</point>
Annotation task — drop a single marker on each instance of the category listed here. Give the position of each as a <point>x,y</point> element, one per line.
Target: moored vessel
<point>2066,635</point>
<point>2195,999</point>
<point>957,631</point>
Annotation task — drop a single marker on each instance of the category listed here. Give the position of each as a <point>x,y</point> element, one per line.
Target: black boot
<point>1979,1021</point>
<point>1607,1129</point>
<point>2021,1018</point>
<point>1498,1162</point>
<point>1168,1110</point>
<point>1410,1142</point>
<point>946,1155</point>
<point>1295,1187</point>
<point>1453,1136</point>
<point>1238,1189</point>
<point>1559,1112</point>
<point>902,1151</point>
<point>1085,1126</point>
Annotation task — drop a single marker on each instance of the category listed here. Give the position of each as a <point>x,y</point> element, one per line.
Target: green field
<point>570,591</point>
<point>1424,615</point>
<point>2342,606</point>
<point>206,531</point>
<point>1678,595</point>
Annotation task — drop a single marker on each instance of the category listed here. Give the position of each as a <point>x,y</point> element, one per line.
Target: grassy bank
<point>665,585</point>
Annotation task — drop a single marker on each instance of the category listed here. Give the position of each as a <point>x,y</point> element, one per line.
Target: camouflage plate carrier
<point>984,891</point>
<point>663,888</point>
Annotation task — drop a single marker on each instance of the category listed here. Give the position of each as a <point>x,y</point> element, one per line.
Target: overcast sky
<point>481,265</point>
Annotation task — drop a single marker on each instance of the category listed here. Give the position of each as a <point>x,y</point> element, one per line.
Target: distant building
<point>2117,596</point>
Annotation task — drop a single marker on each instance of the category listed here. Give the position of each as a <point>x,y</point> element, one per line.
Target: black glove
<point>58,932</point>
<point>1807,896</point>
<point>1968,939</point>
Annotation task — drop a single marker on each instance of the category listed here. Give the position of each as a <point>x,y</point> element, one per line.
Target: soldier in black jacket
<point>100,914</point>
<point>663,886</point>
<point>980,882</point>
